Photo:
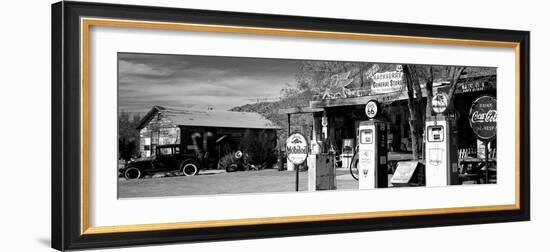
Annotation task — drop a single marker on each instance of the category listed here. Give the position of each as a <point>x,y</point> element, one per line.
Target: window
<point>365,136</point>
<point>165,151</point>
<point>435,134</point>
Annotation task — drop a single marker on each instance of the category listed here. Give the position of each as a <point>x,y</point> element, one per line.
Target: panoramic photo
<point>212,125</point>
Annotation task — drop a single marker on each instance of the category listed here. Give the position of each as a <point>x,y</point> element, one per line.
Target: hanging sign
<point>372,71</point>
<point>388,82</point>
<point>440,102</point>
<point>371,109</point>
<point>296,148</point>
<point>483,117</point>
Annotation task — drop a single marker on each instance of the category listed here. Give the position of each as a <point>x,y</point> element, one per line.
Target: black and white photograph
<point>213,125</point>
<point>275,126</point>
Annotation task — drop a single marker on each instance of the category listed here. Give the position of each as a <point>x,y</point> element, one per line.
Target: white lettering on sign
<point>489,116</point>
<point>372,71</point>
<point>483,117</point>
<point>296,148</point>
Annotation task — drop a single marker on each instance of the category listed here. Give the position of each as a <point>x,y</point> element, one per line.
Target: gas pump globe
<point>441,155</point>
<point>372,140</point>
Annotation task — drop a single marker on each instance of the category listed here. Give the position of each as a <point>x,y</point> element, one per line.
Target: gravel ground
<point>224,183</point>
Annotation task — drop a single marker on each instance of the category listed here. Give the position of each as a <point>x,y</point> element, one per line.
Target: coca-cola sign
<point>483,117</point>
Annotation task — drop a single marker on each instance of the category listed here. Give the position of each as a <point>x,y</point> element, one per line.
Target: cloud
<point>198,81</point>
<point>126,68</point>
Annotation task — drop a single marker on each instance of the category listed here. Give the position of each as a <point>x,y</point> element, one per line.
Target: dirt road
<point>223,183</point>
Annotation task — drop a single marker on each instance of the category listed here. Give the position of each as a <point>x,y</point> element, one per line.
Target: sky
<point>198,82</point>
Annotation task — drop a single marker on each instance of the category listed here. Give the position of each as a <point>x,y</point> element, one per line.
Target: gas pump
<point>373,153</point>
<point>441,143</point>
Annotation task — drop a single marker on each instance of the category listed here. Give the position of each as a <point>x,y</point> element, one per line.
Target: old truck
<point>167,158</point>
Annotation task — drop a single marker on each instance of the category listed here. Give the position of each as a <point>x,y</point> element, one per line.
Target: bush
<point>258,148</point>
<point>226,161</point>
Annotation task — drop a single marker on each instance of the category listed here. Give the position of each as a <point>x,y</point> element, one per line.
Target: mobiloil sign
<point>296,152</point>
<point>296,148</point>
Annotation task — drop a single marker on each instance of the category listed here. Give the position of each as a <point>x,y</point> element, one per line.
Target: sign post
<point>296,152</point>
<point>483,121</point>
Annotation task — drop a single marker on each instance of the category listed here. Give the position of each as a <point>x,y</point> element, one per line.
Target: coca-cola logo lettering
<point>483,117</point>
<point>489,116</point>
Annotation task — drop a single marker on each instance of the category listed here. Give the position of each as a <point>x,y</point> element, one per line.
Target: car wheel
<point>189,169</point>
<point>232,168</point>
<point>132,173</point>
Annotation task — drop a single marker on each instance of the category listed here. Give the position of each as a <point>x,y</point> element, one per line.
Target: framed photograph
<point>179,125</point>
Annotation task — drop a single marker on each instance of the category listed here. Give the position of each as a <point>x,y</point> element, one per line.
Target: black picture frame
<point>66,134</point>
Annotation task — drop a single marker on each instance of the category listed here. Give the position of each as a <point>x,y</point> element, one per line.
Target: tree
<point>414,98</point>
<point>258,146</point>
<point>128,135</point>
<point>413,75</point>
<point>319,76</point>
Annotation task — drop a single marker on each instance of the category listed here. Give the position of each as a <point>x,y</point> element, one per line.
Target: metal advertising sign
<point>371,109</point>
<point>296,148</point>
<point>372,71</point>
<point>440,102</point>
<point>388,82</point>
<point>483,117</point>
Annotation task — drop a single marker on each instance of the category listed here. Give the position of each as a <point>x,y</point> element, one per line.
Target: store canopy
<point>354,97</point>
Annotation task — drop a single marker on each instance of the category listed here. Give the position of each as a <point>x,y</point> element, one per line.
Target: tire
<point>232,168</point>
<point>189,169</point>
<point>132,173</point>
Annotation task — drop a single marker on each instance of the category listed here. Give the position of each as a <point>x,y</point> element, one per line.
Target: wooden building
<point>342,112</point>
<point>161,126</point>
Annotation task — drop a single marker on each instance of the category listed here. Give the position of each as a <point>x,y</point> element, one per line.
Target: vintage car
<point>166,158</point>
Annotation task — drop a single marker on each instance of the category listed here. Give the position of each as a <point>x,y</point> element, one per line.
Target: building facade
<point>210,131</point>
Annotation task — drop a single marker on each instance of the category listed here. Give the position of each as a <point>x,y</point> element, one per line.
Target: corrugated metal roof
<point>217,118</point>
